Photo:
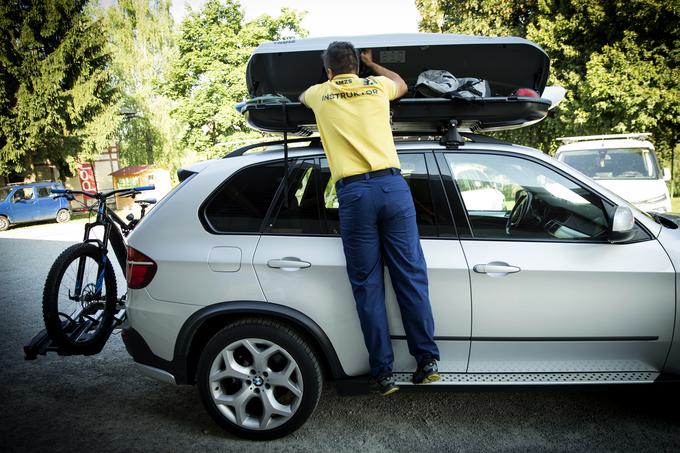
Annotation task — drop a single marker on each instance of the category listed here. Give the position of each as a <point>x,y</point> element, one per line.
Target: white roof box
<point>291,66</point>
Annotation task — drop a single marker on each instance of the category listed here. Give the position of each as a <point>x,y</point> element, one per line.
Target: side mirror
<point>666,174</point>
<point>623,223</point>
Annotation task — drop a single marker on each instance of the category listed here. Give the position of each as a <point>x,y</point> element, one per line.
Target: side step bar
<point>609,377</point>
<point>476,381</point>
<point>41,344</point>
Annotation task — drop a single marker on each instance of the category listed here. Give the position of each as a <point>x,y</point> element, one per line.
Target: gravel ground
<point>101,402</point>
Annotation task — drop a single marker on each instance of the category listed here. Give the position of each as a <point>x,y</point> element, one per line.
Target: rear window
<point>43,192</point>
<point>4,192</point>
<point>241,203</point>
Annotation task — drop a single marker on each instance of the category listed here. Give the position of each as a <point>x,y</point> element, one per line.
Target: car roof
<point>31,184</point>
<point>276,151</point>
<point>605,144</point>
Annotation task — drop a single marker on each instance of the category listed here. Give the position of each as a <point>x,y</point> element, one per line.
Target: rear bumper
<point>147,362</point>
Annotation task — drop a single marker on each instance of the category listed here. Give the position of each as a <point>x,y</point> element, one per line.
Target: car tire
<point>63,216</point>
<point>259,379</point>
<point>4,223</point>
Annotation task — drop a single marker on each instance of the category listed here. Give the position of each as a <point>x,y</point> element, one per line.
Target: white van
<point>623,163</point>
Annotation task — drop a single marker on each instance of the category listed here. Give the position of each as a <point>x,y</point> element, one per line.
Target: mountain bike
<point>80,298</point>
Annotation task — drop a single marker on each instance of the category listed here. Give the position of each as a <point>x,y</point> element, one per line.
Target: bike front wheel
<point>79,299</point>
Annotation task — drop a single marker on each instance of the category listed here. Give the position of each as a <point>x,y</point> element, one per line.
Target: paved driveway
<point>101,403</point>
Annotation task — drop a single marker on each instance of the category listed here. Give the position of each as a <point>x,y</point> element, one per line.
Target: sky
<point>331,18</point>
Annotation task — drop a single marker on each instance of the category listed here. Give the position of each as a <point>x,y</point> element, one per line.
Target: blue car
<point>22,203</point>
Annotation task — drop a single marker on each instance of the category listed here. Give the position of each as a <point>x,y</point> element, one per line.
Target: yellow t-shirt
<point>353,117</point>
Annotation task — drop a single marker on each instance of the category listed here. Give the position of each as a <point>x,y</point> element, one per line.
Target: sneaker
<point>426,373</point>
<point>385,383</point>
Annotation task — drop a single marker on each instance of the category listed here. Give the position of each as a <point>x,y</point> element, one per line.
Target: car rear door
<point>549,292</point>
<point>300,263</point>
<point>47,205</point>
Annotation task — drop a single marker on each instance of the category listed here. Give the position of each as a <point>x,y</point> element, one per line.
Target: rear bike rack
<point>42,343</point>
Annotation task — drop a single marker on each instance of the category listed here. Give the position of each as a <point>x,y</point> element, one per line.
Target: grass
<point>676,205</point>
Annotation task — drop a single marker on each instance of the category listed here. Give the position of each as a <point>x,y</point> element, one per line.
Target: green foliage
<point>56,96</point>
<point>207,76</point>
<point>619,61</point>
<point>141,41</point>
<point>476,17</point>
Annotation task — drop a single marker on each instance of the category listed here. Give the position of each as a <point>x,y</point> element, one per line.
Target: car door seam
<point>252,264</point>
<point>467,263</point>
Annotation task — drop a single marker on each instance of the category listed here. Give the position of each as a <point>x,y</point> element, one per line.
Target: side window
<point>313,204</point>
<point>241,203</point>
<point>43,192</point>
<point>300,212</point>
<point>25,193</point>
<point>414,170</point>
<point>508,197</point>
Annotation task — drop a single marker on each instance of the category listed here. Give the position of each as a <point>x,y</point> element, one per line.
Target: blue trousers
<point>378,219</point>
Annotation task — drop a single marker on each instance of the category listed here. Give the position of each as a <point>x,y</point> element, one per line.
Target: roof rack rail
<point>313,141</point>
<point>585,138</point>
<point>479,138</point>
<point>316,141</point>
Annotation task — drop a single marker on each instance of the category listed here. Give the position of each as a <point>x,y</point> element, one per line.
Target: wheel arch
<point>200,327</point>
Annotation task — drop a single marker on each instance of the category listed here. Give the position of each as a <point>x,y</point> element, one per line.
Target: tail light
<point>140,269</point>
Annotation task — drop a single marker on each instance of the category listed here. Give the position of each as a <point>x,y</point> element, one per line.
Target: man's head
<point>340,58</point>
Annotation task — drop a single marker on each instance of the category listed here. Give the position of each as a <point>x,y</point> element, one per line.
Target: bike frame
<point>112,232</point>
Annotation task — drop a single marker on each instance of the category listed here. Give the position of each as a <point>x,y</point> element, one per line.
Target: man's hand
<point>367,57</point>
<point>367,60</point>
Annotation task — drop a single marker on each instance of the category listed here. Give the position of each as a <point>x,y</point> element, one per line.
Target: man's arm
<point>302,99</point>
<point>367,59</point>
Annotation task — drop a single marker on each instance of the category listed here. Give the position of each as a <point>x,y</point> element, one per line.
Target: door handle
<point>288,264</point>
<point>495,268</point>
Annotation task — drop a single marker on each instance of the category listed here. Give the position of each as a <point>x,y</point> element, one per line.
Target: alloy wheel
<point>256,384</point>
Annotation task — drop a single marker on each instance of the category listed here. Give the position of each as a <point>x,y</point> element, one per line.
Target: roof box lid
<point>289,67</point>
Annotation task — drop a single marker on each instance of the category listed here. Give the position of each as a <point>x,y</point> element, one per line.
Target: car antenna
<point>452,138</point>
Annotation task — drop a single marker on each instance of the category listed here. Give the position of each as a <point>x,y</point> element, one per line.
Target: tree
<point>57,101</point>
<point>207,76</point>
<point>141,41</point>
<point>618,60</point>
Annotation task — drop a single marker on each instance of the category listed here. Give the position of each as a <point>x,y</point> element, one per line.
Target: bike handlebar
<point>102,194</point>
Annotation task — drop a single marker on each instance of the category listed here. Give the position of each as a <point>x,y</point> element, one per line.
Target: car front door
<point>549,292</point>
<point>300,263</point>
<point>24,205</point>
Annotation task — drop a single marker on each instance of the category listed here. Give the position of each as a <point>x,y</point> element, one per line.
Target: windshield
<point>614,163</point>
<point>4,191</point>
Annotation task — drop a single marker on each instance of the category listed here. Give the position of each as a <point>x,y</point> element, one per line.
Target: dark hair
<point>341,57</point>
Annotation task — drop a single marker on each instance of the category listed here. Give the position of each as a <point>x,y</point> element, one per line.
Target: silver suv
<point>241,286</point>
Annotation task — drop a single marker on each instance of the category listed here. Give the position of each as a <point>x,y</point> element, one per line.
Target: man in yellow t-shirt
<point>377,215</point>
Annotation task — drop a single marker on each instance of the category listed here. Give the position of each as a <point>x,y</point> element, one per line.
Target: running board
<point>609,377</point>
<point>465,381</point>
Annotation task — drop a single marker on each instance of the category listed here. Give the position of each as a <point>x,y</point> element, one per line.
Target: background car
<point>624,163</point>
<point>23,203</point>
